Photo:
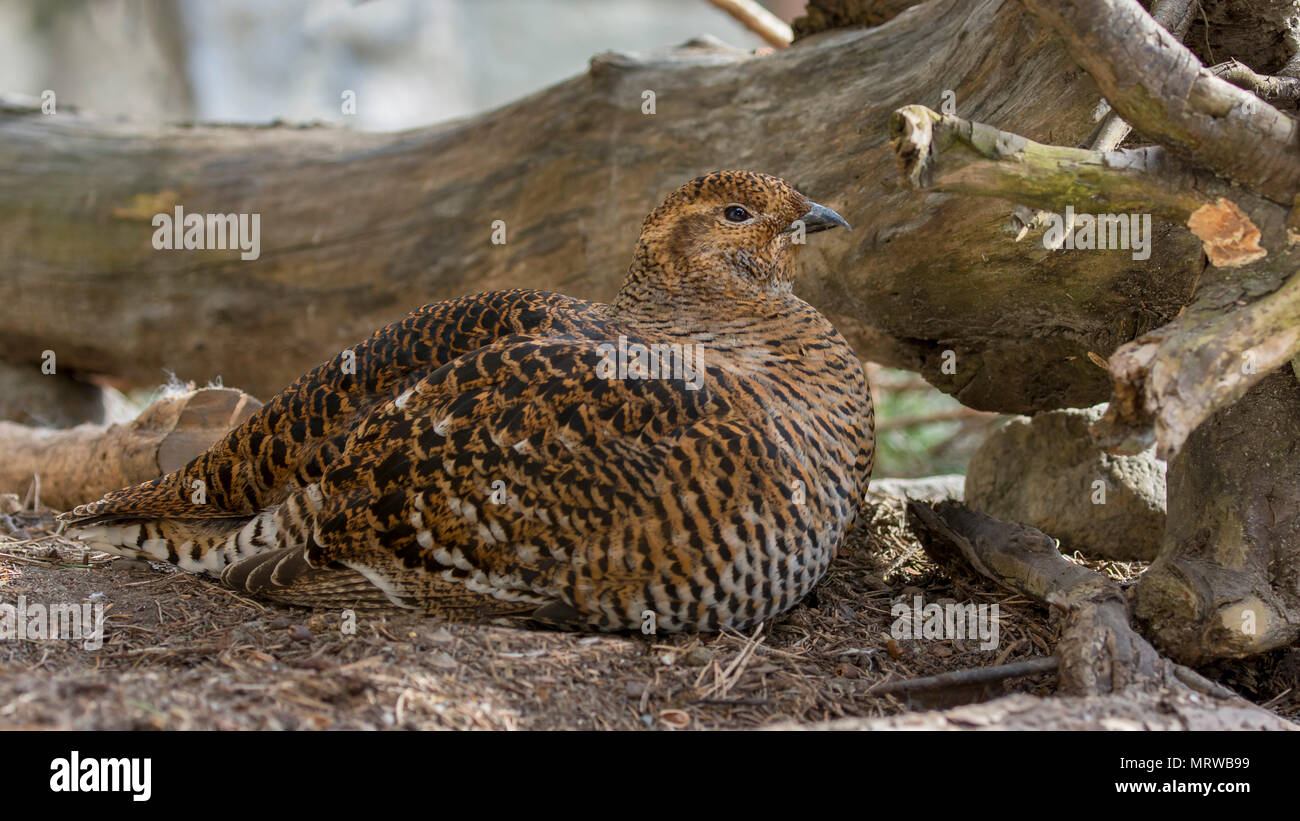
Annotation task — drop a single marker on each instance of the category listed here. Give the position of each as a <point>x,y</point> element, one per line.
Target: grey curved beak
<point>819,218</point>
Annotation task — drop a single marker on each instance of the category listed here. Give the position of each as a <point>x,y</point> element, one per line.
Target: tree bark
<point>83,463</point>
<point>1241,324</point>
<point>1228,168</point>
<point>1162,90</point>
<point>1227,582</point>
<point>1099,652</point>
<point>824,15</point>
<point>357,228</point>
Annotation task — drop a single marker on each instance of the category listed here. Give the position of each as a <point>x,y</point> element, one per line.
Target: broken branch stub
<point>1170,381</point>
<point>1160,88</point>
<point>942,152</point>
<point>1230,239</point>
<point>83,463</point>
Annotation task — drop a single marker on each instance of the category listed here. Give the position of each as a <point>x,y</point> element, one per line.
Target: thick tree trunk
<point>1227,582</point>
<point>356,229</point>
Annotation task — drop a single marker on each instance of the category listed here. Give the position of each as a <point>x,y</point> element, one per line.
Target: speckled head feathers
<point>725,234</point>
<point>773,200</point>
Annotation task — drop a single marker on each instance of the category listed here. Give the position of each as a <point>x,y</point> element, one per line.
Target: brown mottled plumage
<point>480,458</point>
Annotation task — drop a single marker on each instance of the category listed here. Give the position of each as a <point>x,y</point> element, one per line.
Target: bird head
<point>726,234</point>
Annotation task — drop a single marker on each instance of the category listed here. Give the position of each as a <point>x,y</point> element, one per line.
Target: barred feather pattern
<point>478,459</point>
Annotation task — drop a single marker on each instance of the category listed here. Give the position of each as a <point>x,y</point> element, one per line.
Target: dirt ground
<point>182,653</point>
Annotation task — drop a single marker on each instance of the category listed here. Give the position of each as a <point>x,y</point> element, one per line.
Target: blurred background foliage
<point>919,430</point>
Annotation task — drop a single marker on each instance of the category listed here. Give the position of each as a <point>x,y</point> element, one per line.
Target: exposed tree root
<point>1099,652</point>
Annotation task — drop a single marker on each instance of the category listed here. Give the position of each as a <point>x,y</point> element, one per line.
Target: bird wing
<point>506,469</point>
<point>289,442</point>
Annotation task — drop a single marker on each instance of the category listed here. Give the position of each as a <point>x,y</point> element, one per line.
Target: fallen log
<point>80,464</point>
<point>356,229</point>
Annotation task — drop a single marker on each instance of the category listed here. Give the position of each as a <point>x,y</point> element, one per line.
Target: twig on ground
<point>965,678</point>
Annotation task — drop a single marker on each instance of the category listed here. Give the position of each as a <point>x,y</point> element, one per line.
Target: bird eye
<point>735,213</point>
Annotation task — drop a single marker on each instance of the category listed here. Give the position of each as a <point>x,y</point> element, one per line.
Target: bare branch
<point>1262,85</point>
<point>1099,652</point>
<point>947,153</point>
<point>1176,17</point>
<point>1178,376</point>
<point>1160,88</point>
<point>980,676</point>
